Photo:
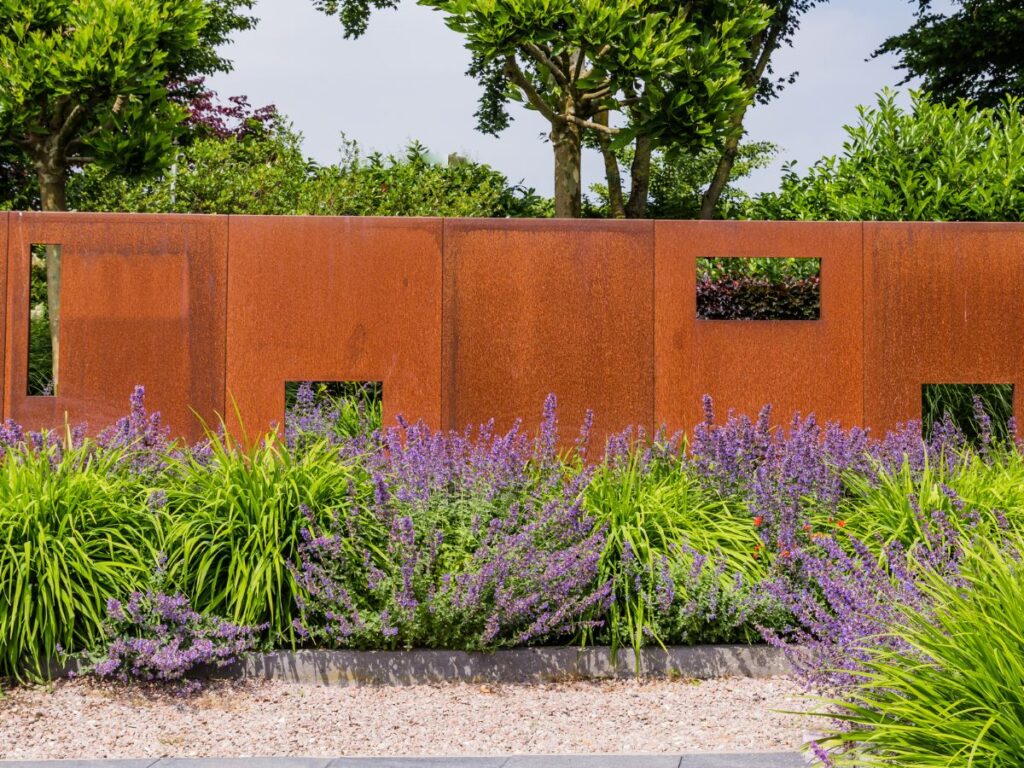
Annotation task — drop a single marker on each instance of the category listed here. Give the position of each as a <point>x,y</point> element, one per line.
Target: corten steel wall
<point>533,307</point>
<point>796,365</point>
<point>944,303</point>
<point>143,301</point>
<point>464,320</point>
<point>333,299</point>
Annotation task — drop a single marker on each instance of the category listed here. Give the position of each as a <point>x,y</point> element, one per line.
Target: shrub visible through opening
<point>42,369</point>
<point>734,288</point>
<point>336,410</point>
<point>983,412</point>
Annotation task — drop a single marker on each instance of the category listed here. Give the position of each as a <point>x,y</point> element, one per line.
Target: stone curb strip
<point>520,665</point>
<point>745,760</point>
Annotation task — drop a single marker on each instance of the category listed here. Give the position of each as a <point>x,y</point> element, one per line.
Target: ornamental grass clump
<point>667,535</point>
<point>233,523</point>
<point>73,532</point>
<point>945,685</point>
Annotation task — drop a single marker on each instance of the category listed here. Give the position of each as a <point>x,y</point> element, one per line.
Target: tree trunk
<point>568,189</point>
<point>709,201</point>
<point>616,205</point>
<point>52,195</point>
<point>639,179</point>
<point>761,49</point>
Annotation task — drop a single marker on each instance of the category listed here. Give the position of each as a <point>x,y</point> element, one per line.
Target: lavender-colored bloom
<point>844,597</point>
<point>143,437</point>
<point>158,636</point>
<point>526,572</point>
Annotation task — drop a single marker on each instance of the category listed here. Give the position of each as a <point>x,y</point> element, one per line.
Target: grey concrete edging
<point>740,760</point>
<point>519,665</point>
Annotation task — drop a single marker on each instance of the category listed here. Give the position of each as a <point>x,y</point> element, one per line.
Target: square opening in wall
<point>331,410</point>
<point>43,319</point>
<point>980,411</point>
<point>738,288</point>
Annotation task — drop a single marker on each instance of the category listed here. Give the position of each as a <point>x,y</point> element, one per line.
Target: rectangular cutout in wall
<point>43,320</point>
<point>742,288</point>
<point>336,410</point>
<point>962,403</point>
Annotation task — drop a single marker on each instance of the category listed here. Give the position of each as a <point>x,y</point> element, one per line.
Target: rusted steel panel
<point>943,305</point>
<point>143,302</point>
<point>795,365</point>
<point>333,299</point>
<point>535,307</point>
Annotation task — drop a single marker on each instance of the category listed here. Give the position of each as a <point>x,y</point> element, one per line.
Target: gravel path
<point>82,719</point>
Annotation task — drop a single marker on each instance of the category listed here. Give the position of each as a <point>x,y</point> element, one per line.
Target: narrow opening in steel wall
<point>43,319</point>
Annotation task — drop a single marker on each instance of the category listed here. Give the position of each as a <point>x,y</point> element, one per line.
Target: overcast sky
<point>405,80</point>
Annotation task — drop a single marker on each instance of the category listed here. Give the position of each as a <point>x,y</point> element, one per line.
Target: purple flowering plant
<point>409,537</point>
<point>140,436</point>
<point>156,635</point>
<point>846,596</point>
<point>470,540</point>
<point>346,414</point>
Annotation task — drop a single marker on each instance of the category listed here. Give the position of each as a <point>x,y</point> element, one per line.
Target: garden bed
<point>144,560</point>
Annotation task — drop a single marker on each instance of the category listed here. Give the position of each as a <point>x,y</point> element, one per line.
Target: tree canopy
<point>758,73</point>
<point>654,72</point>
<point>976,53</point>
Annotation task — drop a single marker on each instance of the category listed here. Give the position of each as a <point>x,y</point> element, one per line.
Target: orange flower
<point>807,526</point>
<point>841,523</point>
<point>757,521</point>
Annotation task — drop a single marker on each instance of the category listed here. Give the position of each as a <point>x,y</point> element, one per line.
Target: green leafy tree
<point>976,53</point>
<point>658,73</point>
<point>678,183</point>
<point>758,74</point>
<point>85,81</point>
<point>935,162</point>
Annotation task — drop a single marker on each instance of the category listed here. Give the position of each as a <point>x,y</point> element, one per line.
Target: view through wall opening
<point>43,319</point>
<point>742,288</point>
<point>332,410</point>
<point>974,409</point>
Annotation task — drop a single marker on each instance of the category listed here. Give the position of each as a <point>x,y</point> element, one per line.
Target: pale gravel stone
<point>83,719</point>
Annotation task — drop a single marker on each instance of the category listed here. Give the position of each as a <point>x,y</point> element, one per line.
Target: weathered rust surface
<point>944,305</point>
<point>143,302</point>
<point>465,320</point>
<point>798,365</point>
<point>333,299</point>
<point>539,307</point>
